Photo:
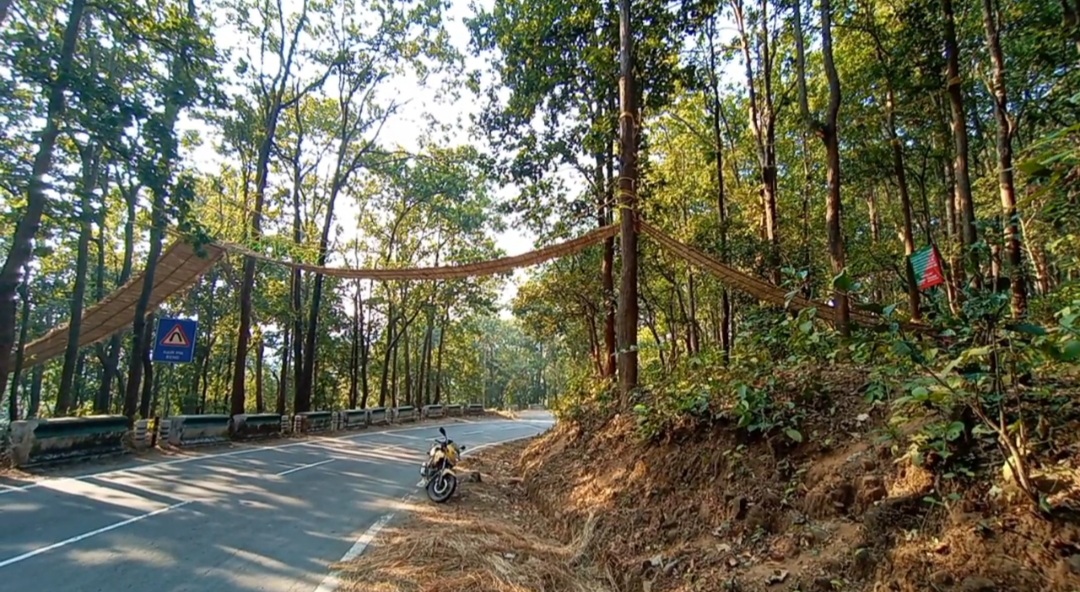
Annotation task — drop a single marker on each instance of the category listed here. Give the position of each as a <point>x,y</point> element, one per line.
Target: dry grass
<point>481,541</point>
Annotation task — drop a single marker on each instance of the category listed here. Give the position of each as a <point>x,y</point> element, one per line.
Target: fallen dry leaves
<point>483,540</point>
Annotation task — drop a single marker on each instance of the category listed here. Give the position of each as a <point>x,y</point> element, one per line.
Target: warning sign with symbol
<point>175,341</point>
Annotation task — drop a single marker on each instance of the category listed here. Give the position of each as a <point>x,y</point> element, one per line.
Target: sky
<point>403,130</point>
<point>421,102</point>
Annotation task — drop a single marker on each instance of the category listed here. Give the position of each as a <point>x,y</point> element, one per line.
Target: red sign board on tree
<point>927,266</point>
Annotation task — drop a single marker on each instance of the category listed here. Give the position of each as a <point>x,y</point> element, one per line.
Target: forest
<point>814,145</point>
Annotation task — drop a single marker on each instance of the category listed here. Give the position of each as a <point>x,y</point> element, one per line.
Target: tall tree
<point>628,178</point>
<point>1006,182</point>
<point>965,203</point>
<point>829,134</point>
<point>271,88</point>
<point>19,254</point>
<point>180,89</point>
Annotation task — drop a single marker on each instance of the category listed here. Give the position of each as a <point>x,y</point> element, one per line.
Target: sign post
<point>927,266</point>
<point>175,341</point>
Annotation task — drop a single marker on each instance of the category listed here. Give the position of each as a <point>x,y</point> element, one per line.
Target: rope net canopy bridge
<point>182,264</point>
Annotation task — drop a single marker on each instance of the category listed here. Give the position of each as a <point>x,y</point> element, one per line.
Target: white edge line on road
<point>333,579</point>
<point>302,467</point>
<point>201,457</point>
<point>87,535</point>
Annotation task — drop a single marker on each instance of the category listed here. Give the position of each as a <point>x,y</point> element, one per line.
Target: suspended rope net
<point>180,266</point>
<point>445,272</point>
<point>762,290</point>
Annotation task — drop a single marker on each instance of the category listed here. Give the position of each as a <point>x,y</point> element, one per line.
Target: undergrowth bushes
<point>967,388</point>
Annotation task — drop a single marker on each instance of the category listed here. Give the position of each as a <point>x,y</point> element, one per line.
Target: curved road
<point>269,518</point>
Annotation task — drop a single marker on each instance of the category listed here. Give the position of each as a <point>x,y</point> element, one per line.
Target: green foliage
<point>585,398</point>
<point>979,389</point>
<point>758,391</point>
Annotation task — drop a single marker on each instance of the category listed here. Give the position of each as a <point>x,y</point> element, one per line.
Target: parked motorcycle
<point>437,473</point>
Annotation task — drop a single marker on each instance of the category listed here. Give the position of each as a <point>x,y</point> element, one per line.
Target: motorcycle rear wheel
<point>441,487</point>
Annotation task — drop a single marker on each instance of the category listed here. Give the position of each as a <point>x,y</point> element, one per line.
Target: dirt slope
<point>706,511</point>
<point>589,507</point>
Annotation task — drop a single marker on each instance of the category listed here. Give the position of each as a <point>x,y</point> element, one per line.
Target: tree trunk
<point>156,177</point>
<point>91,160</point>
<point>965,203</point>
<point>424,380</point>
<point>103,400</point>
<point>297,335</point>
<point>247,285</point>
<point>394,385</point>
<point>283,381</point>
<point>607,265</point>
<point>354,352</point>
<point>763,124</point>
<point>391,322</point>
<point>1042,266</point>
<point>1006,186</point>
<point>807,192</point>
<point>954,270</point>
<point>260,404</point>
<point>905,201</point>
<point>36,376</point>
<point>721,196</point>
<point>36,190</point>
<point>409,398</point>
<point>20,355</point>
<point>101,348</point>
<point>834,206</point>
<point>156,405</point>
<point>147,366</point>
<point>365,356</point>
<point>79,381</point>
<point>628,179</point>
<point>296,283</point>
<point>271,113</point>
<point>141,329</point>
<point>438,360</point>
<point>829,135</point>
<point>1070,10</point>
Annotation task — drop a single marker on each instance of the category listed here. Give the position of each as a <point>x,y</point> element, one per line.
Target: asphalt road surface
<point>269,518</point>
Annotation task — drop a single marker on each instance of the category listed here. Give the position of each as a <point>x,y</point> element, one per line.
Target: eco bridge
<point>269,517</point>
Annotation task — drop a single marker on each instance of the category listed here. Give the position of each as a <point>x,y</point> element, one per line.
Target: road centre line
<point>92,533</point>
<point>8,489</point>
<point>302,467</point>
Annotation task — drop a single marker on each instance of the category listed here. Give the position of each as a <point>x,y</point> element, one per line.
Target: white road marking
<point>87,535</point>
<point>204,457</point>
<point>302,467</point>
<point>333,579</point>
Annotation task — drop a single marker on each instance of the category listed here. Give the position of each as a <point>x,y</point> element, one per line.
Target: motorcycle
<point>437,473</point>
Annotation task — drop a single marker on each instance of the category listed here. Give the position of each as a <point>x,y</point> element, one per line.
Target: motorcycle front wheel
<point>441,487</point>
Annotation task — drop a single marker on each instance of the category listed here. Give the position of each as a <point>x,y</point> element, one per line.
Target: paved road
<point>266,518</point>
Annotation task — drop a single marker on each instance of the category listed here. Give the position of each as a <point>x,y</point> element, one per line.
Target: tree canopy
<point>815,145</point>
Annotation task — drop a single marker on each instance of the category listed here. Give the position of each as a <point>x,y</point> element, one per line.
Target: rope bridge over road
<point>182,264</point>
